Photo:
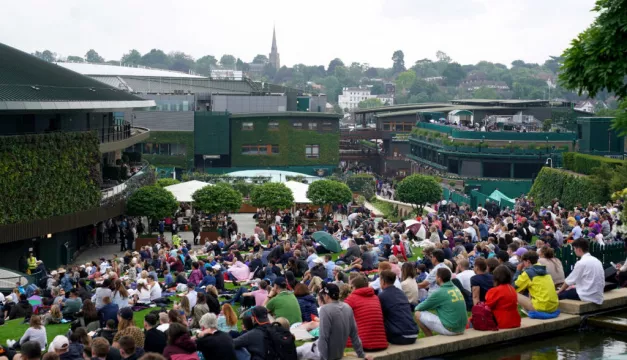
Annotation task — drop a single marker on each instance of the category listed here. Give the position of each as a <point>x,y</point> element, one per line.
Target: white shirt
<point>471,231</point>
<point>433,285</point>
<point>155,291</point>
<point>104,266</point>
<point>589,279</point>
<point>163,327</point>
<point>464,278</point>
<point>376,285</point>
<point>191,295</point>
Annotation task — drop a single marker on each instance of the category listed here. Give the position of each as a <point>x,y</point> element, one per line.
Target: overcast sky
<point>309,32</point>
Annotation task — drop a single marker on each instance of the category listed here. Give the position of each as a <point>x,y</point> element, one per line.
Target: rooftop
<point>288,114</point>
<point>115,70</point>
<point>29,83</point>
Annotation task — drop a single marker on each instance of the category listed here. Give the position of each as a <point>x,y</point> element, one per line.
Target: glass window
<point>298,125</point>
<point>164,149</point>
<point>275,149</point>
<point>312,151</point>
<point>399,127</point>
<point>386,126</point>
<point>327,126</point>
<point>273,125</point>
<point>250,150</point>
<point>407,127</point>
<point>313,126</point>
<point>248,126</point>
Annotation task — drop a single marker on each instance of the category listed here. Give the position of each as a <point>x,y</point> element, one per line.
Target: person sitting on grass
<point>437,258</point>
<point>213,343</point>
<point>35,332</point>
<point>282,303</point>
<point>502,299</point>
<point>400,327</point>
<point>533,277</point>
<point>72,305</point>
<point>23,309</point>
<point>450,316</point>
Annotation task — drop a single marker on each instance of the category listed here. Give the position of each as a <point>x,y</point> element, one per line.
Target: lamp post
<point>549,161</point>
<point>547,144</point>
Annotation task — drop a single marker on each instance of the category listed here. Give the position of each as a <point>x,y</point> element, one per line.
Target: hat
<point>280,281</point>
<point>59,342</point>
<point>53,272</point>
<point>61,271</point>
<point>469,222</point>
<point>260,314</point>
<point>82,266</point>
<point>141,281</point>
<point>521,251</point>
<point>318,260</point>
<point>332,290</point>
<point>8,298</point>
<point>126,313</point>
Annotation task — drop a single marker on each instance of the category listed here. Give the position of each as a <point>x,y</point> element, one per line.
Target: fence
<point>455,197</point>
<point>605,253</point>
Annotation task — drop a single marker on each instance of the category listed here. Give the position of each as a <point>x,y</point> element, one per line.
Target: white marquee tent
<point>183,192</point>
<point>300,192</point>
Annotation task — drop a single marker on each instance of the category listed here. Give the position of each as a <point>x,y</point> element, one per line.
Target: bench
<point>611,299</point>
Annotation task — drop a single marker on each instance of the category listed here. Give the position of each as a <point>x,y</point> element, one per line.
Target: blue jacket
<point>66,283</point>
<point>308,307</point>
<point>397,313</point>
<point>109,311</point>
<point>207,280</point>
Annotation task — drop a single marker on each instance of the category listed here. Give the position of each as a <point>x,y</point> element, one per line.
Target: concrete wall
<point>239,104</point>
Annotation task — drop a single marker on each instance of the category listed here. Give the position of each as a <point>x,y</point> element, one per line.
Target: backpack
<point>192,356</point>
<point>280,342</point>
<point>483,318</point>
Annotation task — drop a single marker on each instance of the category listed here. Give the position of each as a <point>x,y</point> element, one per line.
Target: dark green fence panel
<point>607,254</point>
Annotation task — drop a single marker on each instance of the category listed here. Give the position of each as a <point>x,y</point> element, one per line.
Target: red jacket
<point>369,319</point>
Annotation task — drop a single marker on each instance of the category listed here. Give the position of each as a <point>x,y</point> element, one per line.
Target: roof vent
<point>34,87</point>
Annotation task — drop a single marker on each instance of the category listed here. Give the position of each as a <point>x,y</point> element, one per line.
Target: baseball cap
<point>318,260</point>
<point>260,313</point>
<point>126,313</point>
<point>330,289</point>
<point>280,281</point>
<point>59,342</point>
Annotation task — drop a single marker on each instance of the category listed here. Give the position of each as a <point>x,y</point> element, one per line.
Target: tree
<point>167,182</point>
<point>273,196</point>
<point>546,125</point>
<point>205,63</point>
<point>405,80</point>
<point>76,59</point>
<point>153,202</point>
<point>133,57</point>
<point>228,61</point>
<point>419,190</point>
<point>260,59</point>
<point>372,73</point>
<point>596,58</point>
<point>442,57</point>
<point>181,61</point>
<point>398,59</point>
<point>333,64</point>
<point>46,55</point>
<point>156,58</point>
<point>370,103</point>
<point>377,88</point>
<point>329,192</point>
<point>218,198</point>
<point>93,57</point>
<point>241,66</point>
<point>245,188</point>
<point>453,74</point>
<point>485,93</point>
<point>337,109</point>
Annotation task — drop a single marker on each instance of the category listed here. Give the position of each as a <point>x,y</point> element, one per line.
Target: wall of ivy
<point>172,137</point>
<point>291,144</point>
<point>48,175</point>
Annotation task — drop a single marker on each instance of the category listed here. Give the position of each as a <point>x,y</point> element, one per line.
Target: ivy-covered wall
<point>48,175</point>
<point>291,144</point>
<point>172,137</point>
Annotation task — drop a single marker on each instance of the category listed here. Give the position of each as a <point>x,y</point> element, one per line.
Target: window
<point>398,126</point>
<point>327,126</point>
<point>313,126</point>
<point>298,125</point>
<point>248,126</point>
<point>273,125</point>
<point>312,151</point>
<point>260,149</point>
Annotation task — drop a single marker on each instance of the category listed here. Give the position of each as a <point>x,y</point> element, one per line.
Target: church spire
<point>274,49</point>
<point>274,53</point>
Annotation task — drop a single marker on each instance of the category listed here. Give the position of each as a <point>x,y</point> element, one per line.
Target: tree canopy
<point>398,59</point>
<point>93,57</point>
<point>154,202</point>
<point>260,59</point>
<point>329,192</point>
<point>273,196</point>
<point>218,198</point>
<point>133,57</point>
<point>370,103</point>
<point>228,61</point>
<point>419,190</point>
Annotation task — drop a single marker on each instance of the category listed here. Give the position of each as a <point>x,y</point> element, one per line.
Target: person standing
<point>32,263</point>
<point>587,276</point>
<point>195,229</point>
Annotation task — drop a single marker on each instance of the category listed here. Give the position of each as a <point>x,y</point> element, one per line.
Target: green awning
<point>497,195</point>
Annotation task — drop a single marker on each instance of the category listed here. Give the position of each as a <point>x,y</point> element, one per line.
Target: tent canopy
<point>183,192</point>
<point>497,195</point>
<point>299,190</point>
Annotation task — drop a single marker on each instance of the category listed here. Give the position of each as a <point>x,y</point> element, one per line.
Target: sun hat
<point>59,342</point>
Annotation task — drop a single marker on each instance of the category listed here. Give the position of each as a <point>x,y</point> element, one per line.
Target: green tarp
<point>502,198</point>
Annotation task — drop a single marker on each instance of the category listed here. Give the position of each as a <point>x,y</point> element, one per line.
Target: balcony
<point>120,137</point>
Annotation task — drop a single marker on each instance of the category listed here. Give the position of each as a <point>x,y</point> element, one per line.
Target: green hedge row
<point>48,175</point>
<point>583,163</point>
<point>569,189</point>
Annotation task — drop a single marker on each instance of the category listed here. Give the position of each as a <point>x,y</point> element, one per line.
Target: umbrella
<point>415,227</point>
<point>410,222</point>
<point>326,240</point>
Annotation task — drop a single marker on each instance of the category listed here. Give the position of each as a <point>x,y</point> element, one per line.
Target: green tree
<point>453,74</point>
<point>398,65</point>
<point>181,61</point>
<point>405,80</point>
<point>245,188</point>
<point>546,124</point>
<point>205,64</point>
<point>377,88</point>
<point>46,55</point>
<point>337,109</point>
<point>153,202</point>
<point>218,198</point>
<point>133,57</point>
<point>329,192</point>
<point>370,103</point>
<point>156,58</point>
<point>485,93</point>
<point>419,190</point>
<point>260,59</point>
<point>273,196</point>
<point>372,73</point>
<point>76,59</point>
<point>167,182</point>
<point>93,57</point>
<point>333,64</point>
<point>418,98</point>
<point>442,57</point>
<point>228,61</point>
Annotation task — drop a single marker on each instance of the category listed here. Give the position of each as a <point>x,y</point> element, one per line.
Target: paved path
<point>245,222</point>
<point>429,209</point>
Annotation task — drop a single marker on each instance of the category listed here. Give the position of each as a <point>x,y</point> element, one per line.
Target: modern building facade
<point>58,131</point>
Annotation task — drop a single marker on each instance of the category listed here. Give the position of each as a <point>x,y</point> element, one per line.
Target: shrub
<point>273,196</point>
<point>419,190</point>
<point>584,163</point>
<point>154,202</point>
<point>569,189</point>
<point>214,199</point>
<point>167,182</point>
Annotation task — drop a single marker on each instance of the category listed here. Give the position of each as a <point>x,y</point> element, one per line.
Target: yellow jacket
<point>32,263</point>
<point>540,286</point>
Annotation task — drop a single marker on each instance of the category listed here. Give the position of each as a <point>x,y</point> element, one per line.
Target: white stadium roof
<point>114,70</point>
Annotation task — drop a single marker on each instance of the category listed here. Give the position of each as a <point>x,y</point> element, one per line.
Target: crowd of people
<point>252,296</point>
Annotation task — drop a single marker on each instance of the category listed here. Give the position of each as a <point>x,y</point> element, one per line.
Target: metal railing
<point>145,176</point>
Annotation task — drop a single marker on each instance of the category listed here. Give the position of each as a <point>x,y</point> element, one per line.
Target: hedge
<point>569,189</point>
<point>48,175</point>
<point>584,163</point>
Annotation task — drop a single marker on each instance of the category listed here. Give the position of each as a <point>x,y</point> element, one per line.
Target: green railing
<point>454,196</point>
<point>435,127</point>
<point>460,146</point>
<point>498,135</point>
<point>607,254</point>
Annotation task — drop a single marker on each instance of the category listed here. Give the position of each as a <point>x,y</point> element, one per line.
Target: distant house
<point>589,105</point>
<point>386,99</point>
<point>352,96</point>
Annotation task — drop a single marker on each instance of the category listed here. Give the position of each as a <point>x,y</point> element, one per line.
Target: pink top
<point>260,296</point>
<point>240,271</point>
